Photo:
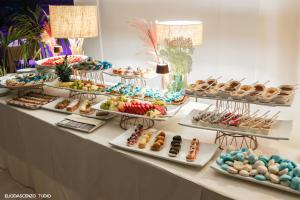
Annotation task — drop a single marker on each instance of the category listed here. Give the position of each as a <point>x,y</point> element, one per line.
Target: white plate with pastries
<point>204,155</point>
<point>216,167</point>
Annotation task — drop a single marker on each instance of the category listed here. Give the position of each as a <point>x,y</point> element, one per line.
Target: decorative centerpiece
<point>63,70</point>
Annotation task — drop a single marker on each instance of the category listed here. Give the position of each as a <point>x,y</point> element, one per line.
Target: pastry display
<point>31,100</point>
<point>126,105</point>
<point>234,90</point>
<point>86,107</point>
<point>73,105</point>
<point>175,146</point>
<point>82,85</point>
<point>133,139</point>
<point>130,89</point>
<point>134,91</point>
<point>133,72</point>
<point>159,141</point>
<point>27,80</point>
<point>90,64</point>
<point>144,139</point>
<point>274,169</point>
<point>247,122</point>
<point>193,150</point>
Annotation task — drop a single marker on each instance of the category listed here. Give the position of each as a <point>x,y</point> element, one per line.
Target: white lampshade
<point>175,29</point>
<point>73,21</point>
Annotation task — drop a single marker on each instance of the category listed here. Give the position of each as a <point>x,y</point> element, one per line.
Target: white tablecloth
<point>73,165</point>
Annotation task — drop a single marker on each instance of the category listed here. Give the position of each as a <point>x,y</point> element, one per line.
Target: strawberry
<point>161,109</point>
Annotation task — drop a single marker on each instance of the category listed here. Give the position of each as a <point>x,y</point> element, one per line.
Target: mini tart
<point>199,82</point>
<point>212,82</point>
<point>247,88</point>
<point>287,89</point>
<point>234,84</point>
<point>238,94</point>
<point>259,87</point>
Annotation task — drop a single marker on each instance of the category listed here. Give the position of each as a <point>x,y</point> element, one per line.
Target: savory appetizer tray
<point>52,61</point>
<point>122,105</point>
<point>131,72</point>
<point>82,107</point>
<point>165,145</point>
<point>272,171</point>
<point>270,128</point>
<point>31,100</point>
<point>234,90</point>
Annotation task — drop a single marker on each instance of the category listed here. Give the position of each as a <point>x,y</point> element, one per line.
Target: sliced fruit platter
<point>53,61</point>
<point>25,80</point>
<point>79,86</point>
<point>76,106</point>
<point>273,171</point>
<point>165,145</point>
<point>157,110</point>
<point>234,90</point>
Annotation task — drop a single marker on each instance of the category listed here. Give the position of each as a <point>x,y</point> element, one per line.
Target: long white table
<point>74,165</point>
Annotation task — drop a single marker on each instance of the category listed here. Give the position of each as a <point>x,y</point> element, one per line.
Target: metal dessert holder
<point>225,138</point>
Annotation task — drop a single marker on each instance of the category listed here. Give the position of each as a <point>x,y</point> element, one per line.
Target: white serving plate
<point>51,106</point>
<point>281,130</point>
<point>39,62</point>
<point>205,153</point>
<point>172,110</point>
<point>109,72</point>
<point>272,104</point>
<point>216,167</point>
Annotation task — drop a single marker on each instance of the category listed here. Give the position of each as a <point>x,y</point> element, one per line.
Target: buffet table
<point>73,165</point>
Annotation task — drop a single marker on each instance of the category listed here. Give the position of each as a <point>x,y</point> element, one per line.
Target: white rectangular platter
<point>172,110</point>
<point>51,107</point>
<point>216,167</point>
<point>206,151</point>
<point>280,131</point>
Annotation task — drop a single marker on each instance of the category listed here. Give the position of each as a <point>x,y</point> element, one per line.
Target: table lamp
<point>74,23</point>
<point>178,39</point>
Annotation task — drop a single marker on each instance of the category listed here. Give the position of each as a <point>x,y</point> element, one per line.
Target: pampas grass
<point>148,31</point>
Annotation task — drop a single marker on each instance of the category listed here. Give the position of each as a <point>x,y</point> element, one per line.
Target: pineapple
<point>63,71</point>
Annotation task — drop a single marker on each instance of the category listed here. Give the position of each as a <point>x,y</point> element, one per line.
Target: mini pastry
<point>86,107</point>
<point>199,82</point>
<point>159,141</point>
<point>193,151</point>
<point>133,139</point>
<point>212,82</point>
<point>144,139</point>
<point>73,105</point>
<point>62,104</point>
<point>175,146</point>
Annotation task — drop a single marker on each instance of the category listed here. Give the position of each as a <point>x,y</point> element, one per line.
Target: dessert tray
<point>93,114</point>
<point>52,61</point>
<point>204,151</point>
<point>131,73</point>
<point>31,100</point>
<point>139,109</point>
<point>272,171</point>
<point>234,90</point>
<point>25,81</point>
<point>255,124</point>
